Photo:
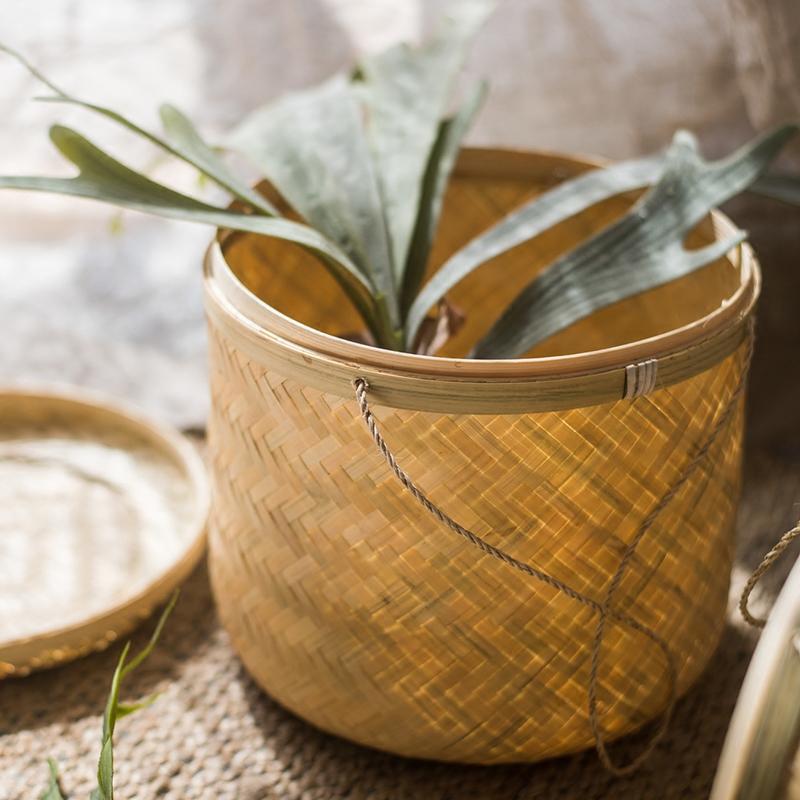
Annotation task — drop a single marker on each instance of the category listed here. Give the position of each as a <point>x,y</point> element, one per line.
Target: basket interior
<point>296,284</point>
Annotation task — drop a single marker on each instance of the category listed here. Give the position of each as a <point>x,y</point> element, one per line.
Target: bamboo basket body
<point>355,609</point>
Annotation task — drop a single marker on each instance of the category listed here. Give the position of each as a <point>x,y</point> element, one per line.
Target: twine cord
<point>604,609</point>
<point>766,563</point>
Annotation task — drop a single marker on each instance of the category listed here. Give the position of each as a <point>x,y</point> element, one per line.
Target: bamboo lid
<point>102,514</point>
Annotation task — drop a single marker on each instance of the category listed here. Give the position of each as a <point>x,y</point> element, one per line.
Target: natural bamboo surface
<point>103,514</point>
<point>354,609</point>
<point>761,756</point>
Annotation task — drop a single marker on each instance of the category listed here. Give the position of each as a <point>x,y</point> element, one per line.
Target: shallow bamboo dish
<point>353,608</point>
<point>102,515</point>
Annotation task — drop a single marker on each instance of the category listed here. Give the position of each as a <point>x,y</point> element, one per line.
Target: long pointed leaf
<point>105,772</point>
<point>642,250</point>
<point>191,146</point>
<point>110,713</point>
<point>406,91</point>
<point>554,206</point>
<point>311,145</point>
<point>188,144</point>
<point>126,709</point>
<point>115,710</point>
<point>434,184</point>
<point>102,177</point>
<point>147,650</point>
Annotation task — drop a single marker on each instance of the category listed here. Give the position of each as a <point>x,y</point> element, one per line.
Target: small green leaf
<point>105,771</point>
<point>406,91</point>
<point>53,791</point>
<point>642,250</point>
<point>115,710</point>
<point>154,637</point>
<point>548,209</point>
<point>188,144</point>
<point>110,713</point>
<point>311,146</point>
<point>124,709</point>
<point>434,184</point>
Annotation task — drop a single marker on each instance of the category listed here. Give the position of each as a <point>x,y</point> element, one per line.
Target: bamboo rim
<point>460,385</point>
<point>96,631</point>
<point>762,738</point>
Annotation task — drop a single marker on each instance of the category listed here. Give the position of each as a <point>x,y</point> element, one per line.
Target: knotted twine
<point>604,609</point>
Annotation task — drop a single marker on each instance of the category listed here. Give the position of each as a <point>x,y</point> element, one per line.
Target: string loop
<point>769,559</point>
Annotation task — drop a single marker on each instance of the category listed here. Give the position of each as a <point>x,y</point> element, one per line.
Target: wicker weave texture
<point>351,607</point>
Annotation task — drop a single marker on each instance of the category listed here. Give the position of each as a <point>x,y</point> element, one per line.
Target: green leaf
<point>785,188</point>
<point>548,209</point>
<point>434,184</point>
<point>105,764</point>
<point>188,144</point>
<point>102,177</point>
<point>193,148</point>
<point>53,791</point>
<point>406,91</point>
<point>110,713</point>
<point>154,637</point>
<point>125,709</point>
<point>642,250</point>
<point>311,146</point>
<point>115,710</point>
<point>105,772</point>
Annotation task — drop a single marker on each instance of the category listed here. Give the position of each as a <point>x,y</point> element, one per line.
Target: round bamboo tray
<point>761,756</point>
<point>102,515</point>
<point>354,608</point>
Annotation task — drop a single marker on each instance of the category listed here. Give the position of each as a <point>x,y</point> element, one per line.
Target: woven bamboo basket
<point>354,608</point>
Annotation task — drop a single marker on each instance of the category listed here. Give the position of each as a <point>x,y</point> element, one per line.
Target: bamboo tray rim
<point>60,643</point>
<point>773,670</point>
<point>257,315</point>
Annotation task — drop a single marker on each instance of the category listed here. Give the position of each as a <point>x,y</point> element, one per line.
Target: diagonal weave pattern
<point>355,610</point>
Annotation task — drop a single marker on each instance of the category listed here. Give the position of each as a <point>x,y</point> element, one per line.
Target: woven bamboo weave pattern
<point>354,609</point>
<point>434,643</point>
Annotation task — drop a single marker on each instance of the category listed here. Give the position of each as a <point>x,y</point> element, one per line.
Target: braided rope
<point>769,559</point>
<point>604,608</point>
